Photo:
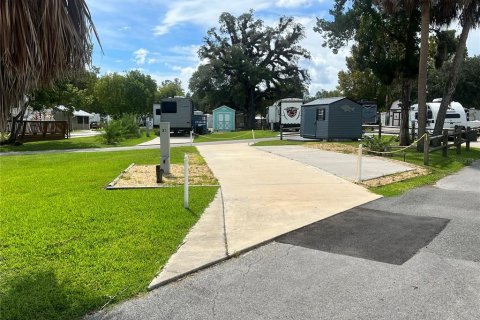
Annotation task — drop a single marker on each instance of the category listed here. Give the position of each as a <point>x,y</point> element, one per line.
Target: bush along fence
<point>431,143</point>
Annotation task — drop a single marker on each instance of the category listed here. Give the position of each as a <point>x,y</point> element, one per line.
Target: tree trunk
<point>251,109</point>
<point>17,124</point>
<point>406,93</point>
<point>422,72</point>
<point>452,79</point>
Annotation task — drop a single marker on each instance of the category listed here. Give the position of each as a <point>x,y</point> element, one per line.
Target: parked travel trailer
<point>455,116</point>
<point>178,111</point>
<point>286,112</point>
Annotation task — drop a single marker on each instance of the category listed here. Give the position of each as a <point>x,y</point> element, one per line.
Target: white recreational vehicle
<point>455,117</point>
<point>177,110</point>
<point>286,112</point>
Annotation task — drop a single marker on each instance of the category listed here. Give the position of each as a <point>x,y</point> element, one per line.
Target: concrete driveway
<point>441,280</point>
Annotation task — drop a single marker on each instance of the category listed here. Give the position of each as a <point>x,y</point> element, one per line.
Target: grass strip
<point>235,135</point>
<point>75,143</point>
<point>68,246</point>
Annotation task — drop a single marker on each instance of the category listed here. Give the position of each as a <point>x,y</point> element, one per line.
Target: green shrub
<point>130,126</point>
<point>113,133</point>
<point>375,143</point>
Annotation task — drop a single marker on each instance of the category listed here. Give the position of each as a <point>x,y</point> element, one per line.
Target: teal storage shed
<point>224,119</point>
<point>331,118</point>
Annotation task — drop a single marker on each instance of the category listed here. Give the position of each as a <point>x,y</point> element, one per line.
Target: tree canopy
<point>169,88</point>
<point>249,62</point>
<point>132,93</point>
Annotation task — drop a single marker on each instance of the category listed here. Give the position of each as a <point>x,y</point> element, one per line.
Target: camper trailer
<point>178,111</point>
<point>455,117</point>
<point>286,112</point>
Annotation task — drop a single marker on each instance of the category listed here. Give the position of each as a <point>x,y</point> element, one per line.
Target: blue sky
<point>161,37</point>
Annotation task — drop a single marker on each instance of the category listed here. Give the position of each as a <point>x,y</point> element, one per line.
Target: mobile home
<point>178,111</point>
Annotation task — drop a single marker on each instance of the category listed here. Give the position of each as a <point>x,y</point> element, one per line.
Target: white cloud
<point>204,12</point>
<point>141,55</point>
<point>292,3</point>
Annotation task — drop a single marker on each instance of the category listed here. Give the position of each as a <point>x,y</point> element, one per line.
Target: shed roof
<point>325,101</point>
<point>81,113</point>
<point>223,107</point>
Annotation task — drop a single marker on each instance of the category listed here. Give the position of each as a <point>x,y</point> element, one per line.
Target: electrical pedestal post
<point>165,146</point>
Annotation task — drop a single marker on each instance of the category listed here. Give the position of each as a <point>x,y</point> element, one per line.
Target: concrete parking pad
<point>369,234</point>
<point>264,196</point>
<point>339,164</point>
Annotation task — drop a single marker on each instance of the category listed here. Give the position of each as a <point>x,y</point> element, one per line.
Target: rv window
<point>158,112</point>
<point>169,107</point>
<point>452,115</point>
<point>429,115</point>
<point>320,114</point>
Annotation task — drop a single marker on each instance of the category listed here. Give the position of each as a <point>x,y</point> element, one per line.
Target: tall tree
<point>132,93</point>
<point>169,88</point>
<point>469,19</point>
<point>75,91</point>
<point>40,41</point>
<point>251,61</point>
<point>387,44</point>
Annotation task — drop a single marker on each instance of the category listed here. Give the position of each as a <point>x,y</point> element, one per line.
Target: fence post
<point>359,164</point>
<point>380,130</point>
<point>281,131</point>
<point>445,143</point>
<point>185,183</point>
<point>467,144</point>
<point>426,149</point>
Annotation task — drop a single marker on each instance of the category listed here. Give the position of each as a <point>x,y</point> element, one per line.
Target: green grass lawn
<point>75,143</point>
<point>68,246</point>
<point>236,135</point>
<point>439,166</point>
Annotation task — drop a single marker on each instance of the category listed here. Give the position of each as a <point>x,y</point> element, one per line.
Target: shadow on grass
<point>42,296</point>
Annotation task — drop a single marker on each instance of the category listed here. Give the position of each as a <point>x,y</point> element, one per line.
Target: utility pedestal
<point>165,146</point>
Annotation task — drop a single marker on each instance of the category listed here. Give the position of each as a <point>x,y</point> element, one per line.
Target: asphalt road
<point>297,280</point>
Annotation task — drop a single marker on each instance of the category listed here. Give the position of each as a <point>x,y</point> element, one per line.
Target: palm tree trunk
<point>452,79</point>
<point>422,72</point>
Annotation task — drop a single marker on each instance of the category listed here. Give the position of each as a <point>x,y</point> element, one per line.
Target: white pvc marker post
<point>191,137</point>
<point>253,135</point>
<point>165,146</point>
<point>185,183</point>
<point>359,164</point>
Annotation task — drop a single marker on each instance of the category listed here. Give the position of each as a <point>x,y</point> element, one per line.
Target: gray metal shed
<point>331,118</point>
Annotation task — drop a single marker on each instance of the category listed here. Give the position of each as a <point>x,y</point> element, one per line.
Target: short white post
<point>359,164</point>
<point>191,137</point>
<point>253,135</point>
<point>185,184</point>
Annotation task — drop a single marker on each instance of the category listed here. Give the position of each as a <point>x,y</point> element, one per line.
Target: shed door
<point>309,125</point>
<point>224,121</point>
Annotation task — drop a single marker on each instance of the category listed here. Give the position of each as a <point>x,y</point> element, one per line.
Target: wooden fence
<point>459,137</point>
<point>43,130</point>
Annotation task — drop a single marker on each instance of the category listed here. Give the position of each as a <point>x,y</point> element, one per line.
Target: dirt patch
<point>418,171</point>
<point>377,182</point>
<point>332,146</point>
<point>144,176</point>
